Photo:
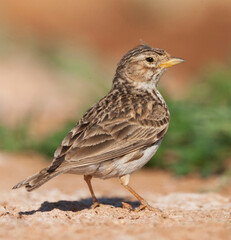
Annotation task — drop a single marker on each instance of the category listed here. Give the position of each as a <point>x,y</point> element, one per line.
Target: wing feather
<point>92,141</point>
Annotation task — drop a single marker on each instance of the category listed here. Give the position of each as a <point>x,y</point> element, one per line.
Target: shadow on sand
<point>75,206</point>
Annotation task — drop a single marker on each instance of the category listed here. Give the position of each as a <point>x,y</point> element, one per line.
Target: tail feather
<point>37,179</point>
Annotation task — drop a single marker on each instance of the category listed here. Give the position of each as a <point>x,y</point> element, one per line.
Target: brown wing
<point>115,135</point>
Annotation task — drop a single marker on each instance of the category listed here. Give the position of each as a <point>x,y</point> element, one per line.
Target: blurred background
<point>58,57</point>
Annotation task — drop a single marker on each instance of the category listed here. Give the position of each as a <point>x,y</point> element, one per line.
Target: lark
<point>120,133</point>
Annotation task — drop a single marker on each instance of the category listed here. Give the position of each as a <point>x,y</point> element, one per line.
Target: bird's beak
<point>171,62</point>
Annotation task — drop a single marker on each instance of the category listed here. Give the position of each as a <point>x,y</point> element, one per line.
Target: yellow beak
<point>173,61</point>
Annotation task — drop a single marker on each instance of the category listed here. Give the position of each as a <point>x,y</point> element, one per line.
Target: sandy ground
<point>191,208</point>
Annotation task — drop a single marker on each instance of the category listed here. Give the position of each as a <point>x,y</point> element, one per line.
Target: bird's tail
<point>37,180</point>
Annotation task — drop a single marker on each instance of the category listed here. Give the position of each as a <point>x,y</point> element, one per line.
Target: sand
<point>191,208</point>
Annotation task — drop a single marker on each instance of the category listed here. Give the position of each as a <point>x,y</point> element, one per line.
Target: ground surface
<point>191,208</point>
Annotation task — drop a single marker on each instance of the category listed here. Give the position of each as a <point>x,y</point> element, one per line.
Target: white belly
<point>123,166</point>
<point>118,167</point>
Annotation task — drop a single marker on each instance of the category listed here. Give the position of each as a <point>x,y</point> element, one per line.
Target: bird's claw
<point>126,206</point>
<point>95,205</point>
<point>144,205</point>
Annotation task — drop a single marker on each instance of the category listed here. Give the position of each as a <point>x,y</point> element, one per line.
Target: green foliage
<point>213,89</point>
<point>18,140</point>
<point>199,135</point>
<point>49,144</point>
<point>14,139</point>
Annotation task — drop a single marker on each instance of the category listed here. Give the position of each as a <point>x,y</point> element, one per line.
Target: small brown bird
<point>120,133</point>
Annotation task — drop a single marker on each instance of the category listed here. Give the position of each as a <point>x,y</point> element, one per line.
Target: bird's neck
<point>142,88</point>
<point>147,85</point>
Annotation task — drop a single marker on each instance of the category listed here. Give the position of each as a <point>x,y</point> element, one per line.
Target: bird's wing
<point>90,143</point>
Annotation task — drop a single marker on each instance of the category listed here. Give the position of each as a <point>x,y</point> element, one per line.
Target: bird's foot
<point>98,204</point>
<point>144,205</point>
<point>126,206</point>
<point>95,205</point>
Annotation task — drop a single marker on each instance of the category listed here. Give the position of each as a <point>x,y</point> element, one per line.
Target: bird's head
<point>143,66</point>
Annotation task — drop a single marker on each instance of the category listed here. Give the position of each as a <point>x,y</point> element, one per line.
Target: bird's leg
<point>88,178</point>
<point>143,203</point>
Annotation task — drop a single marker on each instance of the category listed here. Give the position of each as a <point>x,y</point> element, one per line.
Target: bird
<point>120,133</point>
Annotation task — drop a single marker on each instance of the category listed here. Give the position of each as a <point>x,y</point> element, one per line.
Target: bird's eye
<point>149,59</point>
